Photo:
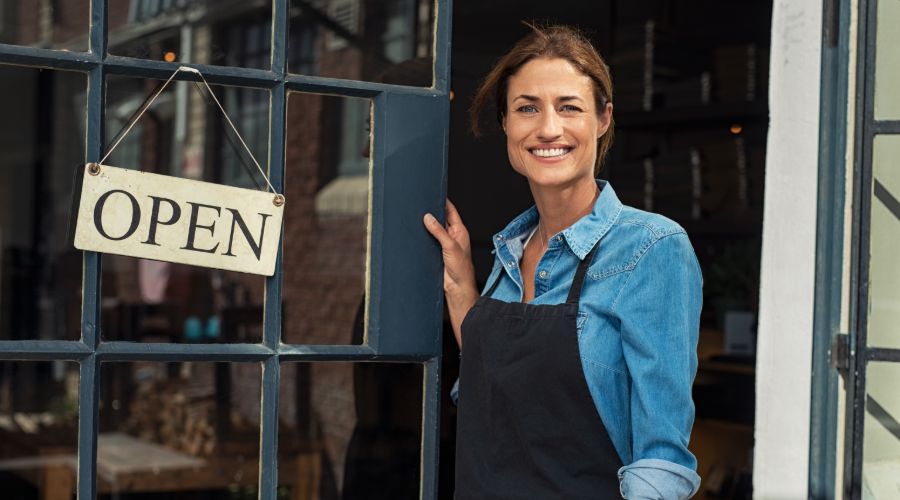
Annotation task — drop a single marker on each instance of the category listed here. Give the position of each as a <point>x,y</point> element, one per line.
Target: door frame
<point>840,335</point>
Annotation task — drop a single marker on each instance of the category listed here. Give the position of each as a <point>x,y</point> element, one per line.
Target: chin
<point>541,175</point>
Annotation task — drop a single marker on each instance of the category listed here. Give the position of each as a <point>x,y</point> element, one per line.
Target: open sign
<point>139,214</point>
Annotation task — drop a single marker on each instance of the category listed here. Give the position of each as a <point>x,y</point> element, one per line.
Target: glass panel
<point>46,24</point>
<point>887,61</point>
<point>389,41</point>
<point>41,146</point>
<point>38,429</point>
<point>181,430</point>
<point>884,263</point>
<point>183,135</point>
<point>325,228</point>
<point>350,430</point>
<point>228,32</point>
<point>881,443</point>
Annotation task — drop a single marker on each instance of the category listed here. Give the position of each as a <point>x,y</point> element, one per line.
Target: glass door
<point>134,378</point>
<point>872,433</point>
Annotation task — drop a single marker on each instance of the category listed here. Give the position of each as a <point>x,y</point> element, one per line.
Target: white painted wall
<point>784,349</point>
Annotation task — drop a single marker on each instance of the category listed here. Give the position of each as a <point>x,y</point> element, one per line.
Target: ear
<point>605,119</point>
<point>503,122</point>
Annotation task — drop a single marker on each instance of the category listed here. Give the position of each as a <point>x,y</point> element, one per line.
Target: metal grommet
<point>93,169</point>
<point>278,200</point>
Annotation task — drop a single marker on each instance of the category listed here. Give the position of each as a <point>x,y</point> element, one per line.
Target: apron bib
<point>527,426</point>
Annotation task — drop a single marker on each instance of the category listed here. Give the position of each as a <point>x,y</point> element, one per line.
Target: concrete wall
<point>788,254</point>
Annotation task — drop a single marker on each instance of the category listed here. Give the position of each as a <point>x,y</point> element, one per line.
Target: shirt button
<point>558,238</point>
<point>543,274</point>
<point>499,238</point>
<point>511,265</point>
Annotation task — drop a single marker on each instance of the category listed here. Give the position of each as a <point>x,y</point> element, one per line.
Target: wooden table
<point>126,464</point>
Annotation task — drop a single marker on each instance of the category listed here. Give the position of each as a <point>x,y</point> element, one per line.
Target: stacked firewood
<point>179,417</point>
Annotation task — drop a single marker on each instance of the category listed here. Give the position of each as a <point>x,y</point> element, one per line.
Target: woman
<point>578,359</point>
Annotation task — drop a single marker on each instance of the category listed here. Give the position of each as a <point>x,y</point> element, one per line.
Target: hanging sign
<point>139,214</point>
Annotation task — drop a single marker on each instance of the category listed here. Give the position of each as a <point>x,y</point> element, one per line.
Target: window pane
<point>38,429</point>
<point>388,41</point>
<point>52,25</point>
<point>184,136</point>
<point>326,218</point>
<point>41,146</point>
<point>884,263</point>
<point>225,33</point>
<point>185,428</point>
<point>881,444</point>
<point>350,430</point>
<point>887,61</point>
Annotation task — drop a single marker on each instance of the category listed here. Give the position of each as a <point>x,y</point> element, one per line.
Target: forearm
<point>459,301</point>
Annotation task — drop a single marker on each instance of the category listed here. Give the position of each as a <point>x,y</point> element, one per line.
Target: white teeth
<point>549,153</point>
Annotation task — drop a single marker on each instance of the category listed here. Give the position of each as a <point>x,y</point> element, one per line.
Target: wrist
<point>462,297</point>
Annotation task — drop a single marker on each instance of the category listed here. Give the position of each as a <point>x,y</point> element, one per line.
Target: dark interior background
<point>687,130</point>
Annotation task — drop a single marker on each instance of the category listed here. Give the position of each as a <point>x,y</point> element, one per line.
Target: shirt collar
<point>580,236</point>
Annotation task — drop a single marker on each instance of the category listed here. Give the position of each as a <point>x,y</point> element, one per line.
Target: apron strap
<point>578,280</point>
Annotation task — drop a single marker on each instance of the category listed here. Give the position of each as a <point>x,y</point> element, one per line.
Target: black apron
<point>527,426</point>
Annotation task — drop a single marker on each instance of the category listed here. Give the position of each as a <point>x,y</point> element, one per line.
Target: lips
<point>550,152</point>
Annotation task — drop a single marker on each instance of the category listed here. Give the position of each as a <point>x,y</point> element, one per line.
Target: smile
<point>550,152</point>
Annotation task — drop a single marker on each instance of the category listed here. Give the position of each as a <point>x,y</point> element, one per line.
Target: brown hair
<point>557,41</point>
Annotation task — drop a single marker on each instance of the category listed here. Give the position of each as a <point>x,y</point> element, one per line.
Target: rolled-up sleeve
<point>650,478</point>
<point>659,310</point>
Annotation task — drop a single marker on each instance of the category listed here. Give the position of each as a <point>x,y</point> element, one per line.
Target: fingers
<point>453,217</point>
<point>438,231</point>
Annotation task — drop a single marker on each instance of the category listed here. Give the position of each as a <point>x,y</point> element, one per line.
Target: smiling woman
<point>581,350</point>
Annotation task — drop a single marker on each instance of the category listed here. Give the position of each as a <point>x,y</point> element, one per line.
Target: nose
<point>550,126</point>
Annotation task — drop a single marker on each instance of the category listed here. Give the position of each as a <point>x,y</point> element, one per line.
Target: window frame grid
<point>89,351</point>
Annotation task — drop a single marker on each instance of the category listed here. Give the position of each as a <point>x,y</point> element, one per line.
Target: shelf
<point>725,425</point>
<point>723,228</point>
<point>727,367</point>
<point>737,112</point>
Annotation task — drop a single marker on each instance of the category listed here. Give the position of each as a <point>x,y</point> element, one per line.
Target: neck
<point>560,207</point>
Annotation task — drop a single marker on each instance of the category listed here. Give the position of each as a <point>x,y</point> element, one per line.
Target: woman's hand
<point>459,273</point>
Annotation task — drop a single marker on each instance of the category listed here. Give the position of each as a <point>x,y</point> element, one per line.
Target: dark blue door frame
<point>409,168</point>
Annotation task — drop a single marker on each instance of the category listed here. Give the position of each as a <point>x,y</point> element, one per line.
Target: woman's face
<point>552,123</point>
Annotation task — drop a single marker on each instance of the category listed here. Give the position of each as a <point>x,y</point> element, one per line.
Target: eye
<point>569,108</point>
<point>527,108</point>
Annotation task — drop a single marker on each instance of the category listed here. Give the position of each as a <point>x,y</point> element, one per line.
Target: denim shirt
<point>638,324</point>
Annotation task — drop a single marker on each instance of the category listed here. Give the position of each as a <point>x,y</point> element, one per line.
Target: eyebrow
<point>564,98</point>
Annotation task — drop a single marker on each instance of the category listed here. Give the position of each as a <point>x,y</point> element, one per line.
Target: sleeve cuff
<point>656,479</point>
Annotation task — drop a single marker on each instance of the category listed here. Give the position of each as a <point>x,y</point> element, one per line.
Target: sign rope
<point>159,91</point>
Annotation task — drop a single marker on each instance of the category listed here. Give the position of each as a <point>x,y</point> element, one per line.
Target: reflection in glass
<point>884,251</point>
<point>50,25</point>
<point>185,429</point>
<point>881,446</point>
<point>38,429</point>
<point>182,134</point>
<point>326,218</point>
<point>350,430</point>
<point>887,61</point>
<point>224,32</point>
<point>388,41</point>
<point>41,146</point>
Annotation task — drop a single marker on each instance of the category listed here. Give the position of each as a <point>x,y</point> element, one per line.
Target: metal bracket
<point>840,353</point>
